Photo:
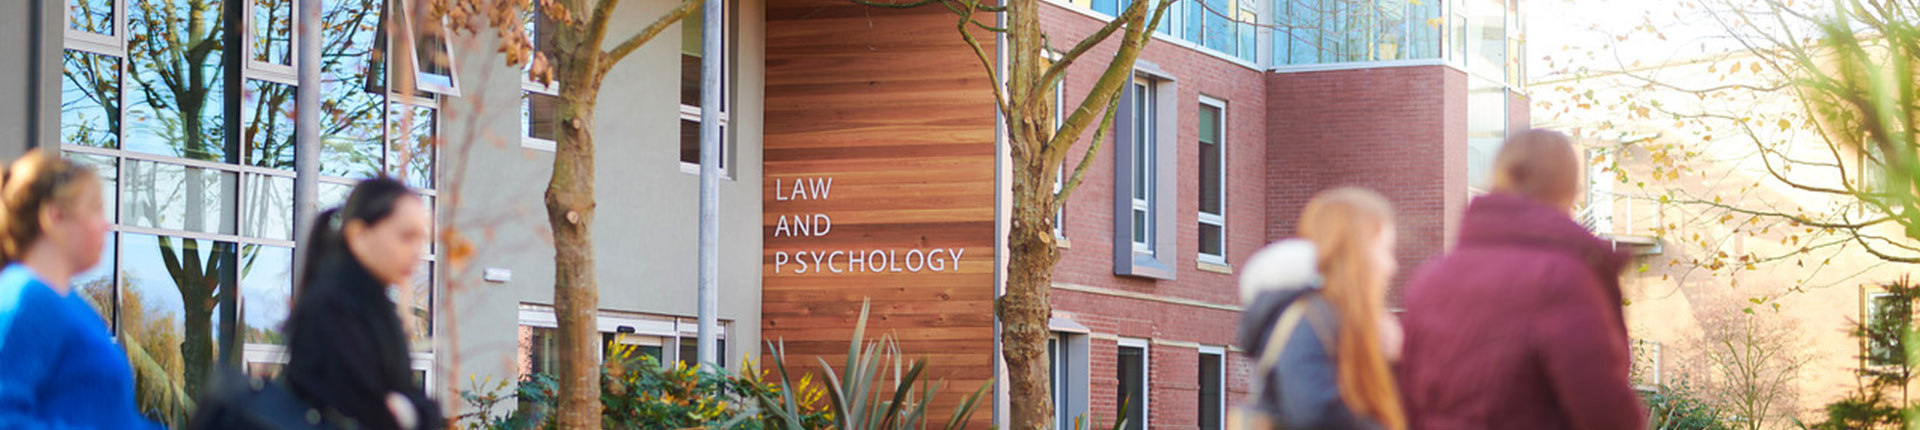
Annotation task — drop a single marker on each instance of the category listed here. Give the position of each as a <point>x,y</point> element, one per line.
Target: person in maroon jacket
<point>1520,327</point>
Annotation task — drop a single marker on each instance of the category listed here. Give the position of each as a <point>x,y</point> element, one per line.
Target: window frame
<point>1060,177</point>
<point>1142,167</point>
<point>1146,378</point>
<point>452,87</point>
<point>287,73</point>
<point>693,113</point>
<point>1872,316</point>
<point>1072,402</point>
<point>1220,352</point>
<point>1653,349</point>
<point>530,86</point>
<point>1218,220</point>
<point>1152,107</point>
<point>247,177</point>
<point>672,331</point>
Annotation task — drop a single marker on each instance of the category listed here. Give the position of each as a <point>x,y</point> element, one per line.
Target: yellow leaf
<point>1784,124</point>
<point>1755,67</point>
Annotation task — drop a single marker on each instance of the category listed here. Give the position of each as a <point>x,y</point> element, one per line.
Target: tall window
<point>1888,317</point>
<point>1059,117</point>
<point>692,43</point>
<point>1057,352</point>
<point>1132,388</point>
<point>1213,182</point>
<point>194,217</point>
<point>539,101</point>
<point>1213,405</point>
<point>1143,149</point>
<point>1486,129</point>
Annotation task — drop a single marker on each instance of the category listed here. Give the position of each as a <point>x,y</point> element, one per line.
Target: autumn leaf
<point>1784,125</point>
<point>1755,67</point>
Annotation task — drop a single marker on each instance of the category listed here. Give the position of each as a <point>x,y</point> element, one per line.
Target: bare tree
<point>577,57</point>
<point>1749,363</point>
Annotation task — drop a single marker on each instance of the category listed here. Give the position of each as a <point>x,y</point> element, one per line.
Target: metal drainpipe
<point>306,130</point>
<point>712,58</point>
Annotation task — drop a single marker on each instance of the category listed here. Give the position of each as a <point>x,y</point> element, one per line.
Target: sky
<point>1563,35</point>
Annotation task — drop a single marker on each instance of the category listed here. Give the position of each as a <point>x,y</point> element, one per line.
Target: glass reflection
<point>272,31</point>
<point>175,197</point>
<point>267,110</point>
<point>97,283</point>
<point>174,107</point>
<point>1334,31</point>
<point>90,100</point>
<point>169,289</point>
<point>268,207</point>
<point>415,303</point>
<point>353,79</point>
<point>266,291</point>
<point>105,168</point>
<point>412,151</point>
<point>92,16</point>
<point>1486,129</point>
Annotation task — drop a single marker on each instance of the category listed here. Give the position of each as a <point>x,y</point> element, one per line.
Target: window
<point>1067,367</point>
<point>192,215</point>
<point>1646,364</point>
<point>666,339</point>
<point>1145,139</point>
<point>1059,117</point>
<point>1340,31</point>
<point>1132,388</point>
<point>539,94</point>
<point>1487,38</point>
<point>1213,382</point>
<point>1145,174</point>
<point>692,41</point>
<point>1888,317</point>
<point>1486,129</point>
<point>1213,181</point>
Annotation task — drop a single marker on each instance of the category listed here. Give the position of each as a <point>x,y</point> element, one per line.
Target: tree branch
<point>1086,161</point>
<point>646,34</point>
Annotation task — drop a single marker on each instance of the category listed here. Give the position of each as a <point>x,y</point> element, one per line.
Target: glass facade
<point>1341,31</point>
<point>194,217</point>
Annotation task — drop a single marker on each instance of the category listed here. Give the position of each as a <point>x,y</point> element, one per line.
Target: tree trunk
<point>1028,305</point>
<point>570,207</point>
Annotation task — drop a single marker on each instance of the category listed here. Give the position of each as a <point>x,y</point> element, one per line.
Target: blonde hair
<point>1344,224</point>
<point>1538,164</point>
<point>27,187</point>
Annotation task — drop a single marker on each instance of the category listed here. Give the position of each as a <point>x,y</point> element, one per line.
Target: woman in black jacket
<point>348,353</point>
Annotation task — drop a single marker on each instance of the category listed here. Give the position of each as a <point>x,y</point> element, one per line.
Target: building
<point>861,162</point>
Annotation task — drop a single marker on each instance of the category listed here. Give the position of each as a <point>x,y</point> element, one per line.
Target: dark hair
<point>371,201</point>
<point>26,187</point>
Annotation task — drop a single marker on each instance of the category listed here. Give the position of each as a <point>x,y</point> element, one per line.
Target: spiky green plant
<point>877,388</point>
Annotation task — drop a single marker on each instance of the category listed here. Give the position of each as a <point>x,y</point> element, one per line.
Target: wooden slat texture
<point>894,107</point>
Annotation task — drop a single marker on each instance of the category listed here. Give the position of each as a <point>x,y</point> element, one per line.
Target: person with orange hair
<point>1316,323</point>
<point>1520,327</point>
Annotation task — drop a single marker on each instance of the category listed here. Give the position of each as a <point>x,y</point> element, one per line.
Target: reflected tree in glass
<point>267,126</point>
<point>90,100</point>
<point>353,85</point>
<point>174,107</point>
<point>170,288</point>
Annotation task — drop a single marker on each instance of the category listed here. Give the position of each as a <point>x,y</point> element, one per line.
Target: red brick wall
<point>1400,131</point>
<point>1173,374</point>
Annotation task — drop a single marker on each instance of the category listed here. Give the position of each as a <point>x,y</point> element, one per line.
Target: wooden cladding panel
<point>896,109</point>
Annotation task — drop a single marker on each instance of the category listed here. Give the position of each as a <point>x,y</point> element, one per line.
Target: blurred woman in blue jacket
<point>59,367</point>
